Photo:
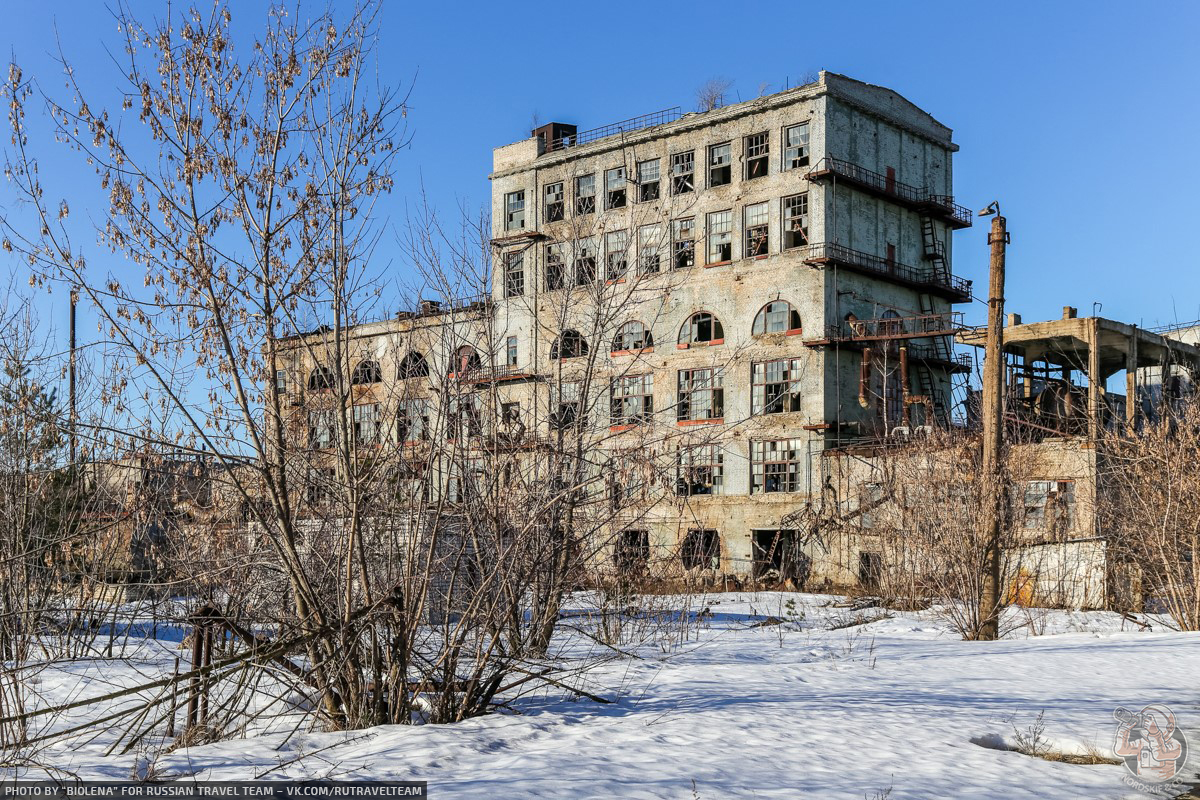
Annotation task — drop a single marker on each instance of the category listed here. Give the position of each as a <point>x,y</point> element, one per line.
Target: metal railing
<point>928,352</point>
<point>856,259</point>
<point>879,183</point>
<point>624,126</point>
<point>892,328</point>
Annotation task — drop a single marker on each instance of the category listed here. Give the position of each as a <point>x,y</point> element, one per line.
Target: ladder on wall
<point>933,249</point>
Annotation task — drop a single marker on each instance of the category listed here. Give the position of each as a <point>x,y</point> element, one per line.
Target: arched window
<point>366,372</point>
<point>569,345</point>
<point>702,328</point>
<point>632,336</point>
<point>320,378</point>
<point>466,359</point>
<point>413,365</point>
<point>777,316</point>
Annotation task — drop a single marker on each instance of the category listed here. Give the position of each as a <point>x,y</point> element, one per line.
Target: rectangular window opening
<point>720,164</point>
<point>757,152</point>
<point>683,172</point>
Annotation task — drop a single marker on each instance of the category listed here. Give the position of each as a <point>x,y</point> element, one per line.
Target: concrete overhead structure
<point>1047,357</point>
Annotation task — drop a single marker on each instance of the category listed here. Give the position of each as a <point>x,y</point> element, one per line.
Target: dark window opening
<point>366,372</point>
<point>702,327</point>
<point>777,555</point>
<point>757,230</point>
<point>776,465</point>
<point>701,394</point>
<point>700,470</point>
<point>569,345</point>
<point>720,164</point>
<point>870,570</point>
<point>413,365</point>
<point>795,221</point>
<point>777,316</point>
<point>683,172</point>
<point>757,151</point>
<point>701,549</point>
<point>585,194</point>
<point>555,269</point>
<point>614,188</point>
<point>775,386</point>
<point>647,179</point>
<point>795,146</point>
<point>514,275</point>
<point>320,378</point>
<point>554,202</point>
<point>631,399</point>
<point>631,552</point>
<point>684,242</point>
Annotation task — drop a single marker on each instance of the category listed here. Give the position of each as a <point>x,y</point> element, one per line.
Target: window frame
<point>683,172</point>
<point>645,342</point>
<point>616,256</point>
<point>723,168</point>
<point>690,325</point>
<point>585,203</point>
<point>617,197</point>
<point>514,210</point>
<point>787,400</point>
<point>555,209</point>
<point>792,466</point>
<point>514,274</point>
<point>683,248</point>
<point>631,400</point>
<point>716,239</point>
<point>648,188</point>
<point>756,236</point>
<point>757,155</point>
<point>764,313</point>
<point>803,155</point>
<point>787,234</point>
<point>705,383</point>
<point>688,466</point>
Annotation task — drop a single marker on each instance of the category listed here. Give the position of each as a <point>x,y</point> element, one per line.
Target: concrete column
<point>1094,379</point>
<point>1131,383</point>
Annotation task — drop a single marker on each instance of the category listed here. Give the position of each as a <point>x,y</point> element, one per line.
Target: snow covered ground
<point>896,708</point>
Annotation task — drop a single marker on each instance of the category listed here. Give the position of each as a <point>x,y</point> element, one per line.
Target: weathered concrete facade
<point>872,261</point>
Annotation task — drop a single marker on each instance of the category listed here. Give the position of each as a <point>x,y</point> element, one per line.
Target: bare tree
<point>711,94</point>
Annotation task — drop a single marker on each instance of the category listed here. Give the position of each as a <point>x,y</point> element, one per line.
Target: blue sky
<point>1080,118</point>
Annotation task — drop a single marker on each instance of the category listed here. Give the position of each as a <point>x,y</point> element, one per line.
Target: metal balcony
<point>880,185</point>
<point>951,287</point>
<point>921,326</point>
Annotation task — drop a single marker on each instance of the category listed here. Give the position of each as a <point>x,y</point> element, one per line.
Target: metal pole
<point>993,433</point>
<point>73,441</point>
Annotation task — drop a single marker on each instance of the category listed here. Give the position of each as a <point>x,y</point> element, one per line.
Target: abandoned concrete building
<point>733,291</point>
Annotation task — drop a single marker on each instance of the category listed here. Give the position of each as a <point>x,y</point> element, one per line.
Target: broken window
<point>462,416</point>
<point>683,172</point>
<point>413,365</point>
<point>701,549</point>
<point>647,179</point>
<point>683,238</point>
<point>700,470</point>
<point>466,360</point>
<point>510,413</point>
<point>775,386</point>
<point>720,164</point>
<point>318,485</point>
<point>569,345</point>
<point>567,410</point>
<point>777,554</point>
<point>320,430</point>
<point>720,237</point>
<point>756,229</point>
<point>555,269</point>
<point>702,328</point>
<point>632,336</point>
<point>701,394</point>
<point>631,552</point>
<point>776,465</point>
<point>514,274</point>
<point>554,201</point>
<point>649,248</point>
<point>616,255</point>
<point>795,221</point>
<point>614,188</point>
<point>510,351</point>
<point>631,399</point>
<point>585,262</point>
<point>585,194</point>
<point>366,423</point>
<point>412,420</point>
<point>795,146</point>
<point>1050,505</point>
<point>320,378</point>
<point>514,211</point>
<point>757,148</point>
<point>282,379</point>
<point>366,372</point>
<point>778,316</point>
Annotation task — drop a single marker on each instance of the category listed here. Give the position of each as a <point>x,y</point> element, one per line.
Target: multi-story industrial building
<point>729,292</point>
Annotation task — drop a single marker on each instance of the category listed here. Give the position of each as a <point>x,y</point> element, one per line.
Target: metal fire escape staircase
<point>934,252</point>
